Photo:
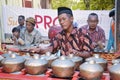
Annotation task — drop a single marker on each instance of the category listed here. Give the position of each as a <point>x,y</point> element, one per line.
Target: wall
<point>17,3</point>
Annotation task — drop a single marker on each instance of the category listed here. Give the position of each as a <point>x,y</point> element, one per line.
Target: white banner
<point>47,17</point>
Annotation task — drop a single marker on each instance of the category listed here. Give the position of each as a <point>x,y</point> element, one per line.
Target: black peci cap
<point>64,10</point>
<point>112,13</point>
<point>15,29</point>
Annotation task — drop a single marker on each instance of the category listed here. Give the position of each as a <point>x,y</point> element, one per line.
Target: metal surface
<point>76,59</point>
<point>63,67</point>
<point>115,61</point>
<point>49,57</point>
<point>13,59</point>
<point>63,62</point>
<point>90,70</point>
<point>13,63</point>
<point>7,54</point>
<point>36,70</point>
<point>36,65</point>
<point>27,56</point>
<point>9,68</point>
<point>115,71</point>
<point>22,75</point>
<point>99,60</point>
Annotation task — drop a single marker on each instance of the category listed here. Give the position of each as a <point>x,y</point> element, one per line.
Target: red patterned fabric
<point>53,31</point>
<point>75,42</point>
<point>97,35</point>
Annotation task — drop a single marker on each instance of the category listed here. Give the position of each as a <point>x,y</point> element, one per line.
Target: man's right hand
<point>41,50</point>
<point>94,45</point>
<point>14,38</point>
<point>35,50</point>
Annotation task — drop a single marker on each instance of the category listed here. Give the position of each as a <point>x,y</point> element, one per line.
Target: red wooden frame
<point>27,3</point>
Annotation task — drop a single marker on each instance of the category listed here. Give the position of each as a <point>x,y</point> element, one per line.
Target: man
<point>30,35</point>
<point>95,32</point>
<point>16,36</point>
<point>112,29</point>
<point>21,20</point>
<point>69,40</point>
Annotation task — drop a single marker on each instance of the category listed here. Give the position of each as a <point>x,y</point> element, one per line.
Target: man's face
<point>16,34</point>
<point>65,21</point>
<point>92,21</point>
<point>21,21</point>
<point>29,26</point>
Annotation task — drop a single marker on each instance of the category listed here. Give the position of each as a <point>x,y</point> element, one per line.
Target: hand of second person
<point>94,44</point>
<point>35,50</point>
<point>72,51</point>
<point>101,45</point>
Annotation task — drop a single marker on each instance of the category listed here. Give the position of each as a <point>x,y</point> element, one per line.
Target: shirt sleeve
<point>85,41</point>
<point>22,34</point>
<point>38,38</point>
<point>103,39</point>
<point>55,43</point>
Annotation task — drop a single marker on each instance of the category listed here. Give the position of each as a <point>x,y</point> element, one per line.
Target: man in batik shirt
<point>69,40</point>
<point>95,32</point>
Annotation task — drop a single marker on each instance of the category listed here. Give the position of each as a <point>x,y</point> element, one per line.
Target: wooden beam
<point>117,25</point>
<point>45,4</point>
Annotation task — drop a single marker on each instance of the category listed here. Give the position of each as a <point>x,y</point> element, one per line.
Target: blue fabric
<point>111,40</point>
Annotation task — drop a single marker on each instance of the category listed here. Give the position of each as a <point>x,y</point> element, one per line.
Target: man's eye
<point>64,19</point>
<point>59,20</point>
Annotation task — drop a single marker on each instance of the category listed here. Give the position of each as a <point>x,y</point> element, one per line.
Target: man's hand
<point>35,50</point>
<point>101,45</point>
<point>94,45</point>
<point>72,51</point>
<point>14,39</point>
<point>21,42</point>
<point>87,41</point>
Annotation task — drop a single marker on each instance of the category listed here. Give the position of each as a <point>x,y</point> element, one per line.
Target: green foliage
<point>102,4</point>
<point>58,3</point>
<point>84,4</point>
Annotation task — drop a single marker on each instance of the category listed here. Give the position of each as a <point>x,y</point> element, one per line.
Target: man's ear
<point>71,18</point>
<point>97,21</point>
<point>87,21</point>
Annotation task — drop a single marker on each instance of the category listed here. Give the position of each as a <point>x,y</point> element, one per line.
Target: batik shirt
<point>76,41</point>
<point>97,35</point>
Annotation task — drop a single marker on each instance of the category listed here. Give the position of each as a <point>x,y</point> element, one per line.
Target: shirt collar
<point>74,31</point>
<point>32,33</point>
<point>21,26</point>
<point>95,29</point>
